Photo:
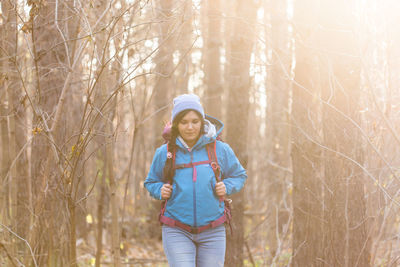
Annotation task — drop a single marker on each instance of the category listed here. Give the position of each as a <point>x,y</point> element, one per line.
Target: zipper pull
<point>194,174</point>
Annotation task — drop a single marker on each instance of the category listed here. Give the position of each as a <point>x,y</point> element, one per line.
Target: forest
<point>308,91</point>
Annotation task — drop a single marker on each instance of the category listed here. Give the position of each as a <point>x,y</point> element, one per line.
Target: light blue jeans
<point>184,249</point>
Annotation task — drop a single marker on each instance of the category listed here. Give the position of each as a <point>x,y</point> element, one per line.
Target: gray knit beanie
<point>186,101</point>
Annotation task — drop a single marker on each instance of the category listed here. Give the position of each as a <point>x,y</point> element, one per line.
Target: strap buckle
<point>194,230</point>
<point>215,166</point>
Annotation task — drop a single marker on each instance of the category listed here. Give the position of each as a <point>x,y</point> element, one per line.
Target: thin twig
<point>8,254</point>
<point>26,242</point>
<point>250,255</point>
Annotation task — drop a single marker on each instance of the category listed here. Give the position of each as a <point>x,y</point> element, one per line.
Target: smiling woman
<point>189,127</point>
<point>183,175</point>
<point>188,118</point>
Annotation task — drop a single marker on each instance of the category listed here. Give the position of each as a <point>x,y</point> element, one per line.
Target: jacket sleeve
<point>154,179</point>
<point>233,172</point>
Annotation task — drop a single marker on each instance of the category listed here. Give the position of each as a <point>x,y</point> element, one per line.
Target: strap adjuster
<point>214,165</point>
<point>194,230</point>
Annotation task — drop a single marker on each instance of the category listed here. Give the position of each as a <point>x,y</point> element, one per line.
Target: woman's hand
<point>166,191</point>
<point>220,189</point>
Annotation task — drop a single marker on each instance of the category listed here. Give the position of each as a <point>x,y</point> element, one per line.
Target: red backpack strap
<point>168,179</point>
<point>169,156</point>
<point>212,156</point>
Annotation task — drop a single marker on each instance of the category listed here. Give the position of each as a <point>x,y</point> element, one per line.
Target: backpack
<point>213,161</point>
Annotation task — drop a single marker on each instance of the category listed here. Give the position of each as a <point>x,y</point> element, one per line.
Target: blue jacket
<point>195,203</point>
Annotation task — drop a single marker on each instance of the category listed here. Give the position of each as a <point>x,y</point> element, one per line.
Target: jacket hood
<point>213,122</point>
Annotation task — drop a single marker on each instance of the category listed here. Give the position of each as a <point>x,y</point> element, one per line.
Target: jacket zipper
<point>194,191</point>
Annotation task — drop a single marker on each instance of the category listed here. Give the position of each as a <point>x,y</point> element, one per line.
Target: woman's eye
<point>184,122</point>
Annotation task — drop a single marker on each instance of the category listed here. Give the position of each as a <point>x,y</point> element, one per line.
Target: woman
<point>181,174</point>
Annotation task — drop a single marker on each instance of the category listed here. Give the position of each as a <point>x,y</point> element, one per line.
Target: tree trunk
<point>393,54</point>
<point>162,91</point>
<point>212,57</point>
<point>49,57</point>
<point>164,67</point>
<point>305,153</point>
<point>115,233</point>
<point>184,41</point>
<point>72,232</point>
<point>100,215</point>
<point>346,242</point>
<point>5,208</point>
<point>17,131</point>
<point>228,26</point>
<point>75,107</point>
<point>241,47</point>
<point>278,131</point>
<point>5,80</point>
<point>104,124</point>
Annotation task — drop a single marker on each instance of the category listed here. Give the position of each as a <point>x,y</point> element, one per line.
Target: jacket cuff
<point>228,189</point>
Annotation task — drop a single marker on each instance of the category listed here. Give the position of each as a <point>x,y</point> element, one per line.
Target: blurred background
<point>308,91</point>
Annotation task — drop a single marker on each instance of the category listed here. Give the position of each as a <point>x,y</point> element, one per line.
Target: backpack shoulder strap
<point>212,156</point>
<point>170,154</point>
<point>170,160</point>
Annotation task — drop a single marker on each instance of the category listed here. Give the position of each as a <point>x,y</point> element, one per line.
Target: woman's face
<point>189,128</point>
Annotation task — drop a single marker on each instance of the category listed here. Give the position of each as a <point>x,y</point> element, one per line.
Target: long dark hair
<point>169,168</point>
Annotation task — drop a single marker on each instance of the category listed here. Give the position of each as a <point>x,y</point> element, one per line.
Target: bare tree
<point>163,85</point>
<point>184,42</point>
<point>277,121</point>
<point>18,173</point>
<point>7,81</point>
<point>49,57</point>
<point>346,242</point>
<point>241,44</point>
<point>306,155</point>
<point>213,43</point>
<point>105,91</point>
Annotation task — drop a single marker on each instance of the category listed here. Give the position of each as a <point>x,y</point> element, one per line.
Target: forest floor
<point>149,253</point>
<point>135,252</point>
